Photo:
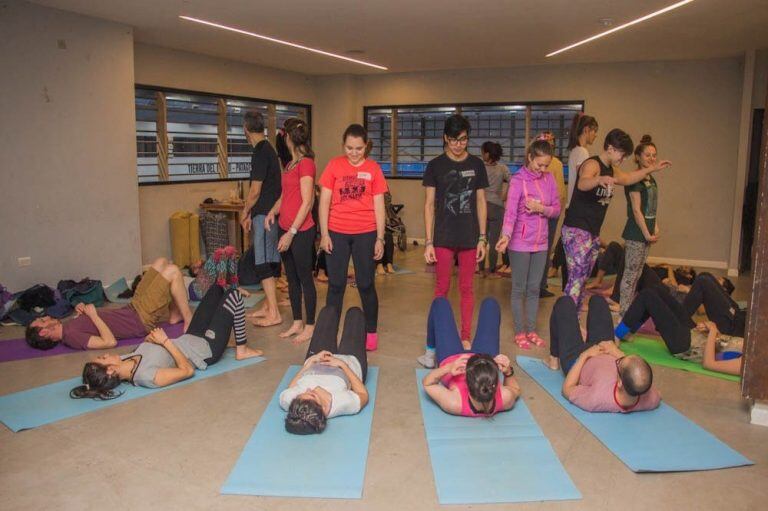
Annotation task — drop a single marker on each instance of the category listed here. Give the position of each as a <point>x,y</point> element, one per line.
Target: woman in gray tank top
<point>160,361</point>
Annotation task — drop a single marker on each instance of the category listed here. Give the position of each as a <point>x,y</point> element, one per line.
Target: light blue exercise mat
<point>661,440</point>
<point>329,465</point>
<point>523,466</point>
<point>51,403</point>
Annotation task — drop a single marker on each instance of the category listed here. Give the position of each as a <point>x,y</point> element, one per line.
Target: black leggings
<point>218,313</point>
<point>566,342</point>
<point>352,338</point>
<point>298,268</point>
<point>670,318</point>
<point>720,307</point>
<point>360,248</point>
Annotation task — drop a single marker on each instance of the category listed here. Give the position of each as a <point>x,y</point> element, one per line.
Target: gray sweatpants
<point>635,255</point>
<point>527,268</point>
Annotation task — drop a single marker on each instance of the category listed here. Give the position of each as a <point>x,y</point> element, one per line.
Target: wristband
<point>293,230</point>
<point>380,239</point>
<point>511,372</point>
<point>428,243</point>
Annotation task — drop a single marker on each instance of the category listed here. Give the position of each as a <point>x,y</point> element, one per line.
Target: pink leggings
<point>443,270</point>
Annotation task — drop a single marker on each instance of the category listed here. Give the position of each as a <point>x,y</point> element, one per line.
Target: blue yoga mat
<point>51,403</point>
<point>524,467</point>
<point>661,440</point>
<point>329,465</point>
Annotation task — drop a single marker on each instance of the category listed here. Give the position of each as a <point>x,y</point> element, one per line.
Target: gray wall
<point>69,194</point>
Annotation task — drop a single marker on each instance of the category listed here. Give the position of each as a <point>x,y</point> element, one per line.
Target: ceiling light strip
<point>621,27</point>
<point>280,41</point>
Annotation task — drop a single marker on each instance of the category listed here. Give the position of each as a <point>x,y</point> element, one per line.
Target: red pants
<point>443,270</point>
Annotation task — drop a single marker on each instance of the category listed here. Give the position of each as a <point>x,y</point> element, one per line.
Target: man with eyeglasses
<point>598,376</point>
<point>455,219</point>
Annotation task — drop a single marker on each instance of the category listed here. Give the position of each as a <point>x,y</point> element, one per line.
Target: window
<point>187,136</point>
<point>417,131</point>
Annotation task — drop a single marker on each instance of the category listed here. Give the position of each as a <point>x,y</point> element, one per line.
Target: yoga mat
<point>656,352</point>
<point>505,458</point>
<point>18,349</point>
<point>329,465</point>
<point>51,403</point>
<point>121,285</point>
<point>399,270</point>
<point>661,440</point>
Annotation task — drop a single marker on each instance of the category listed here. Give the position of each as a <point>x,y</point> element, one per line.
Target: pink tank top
<point>460,382</point>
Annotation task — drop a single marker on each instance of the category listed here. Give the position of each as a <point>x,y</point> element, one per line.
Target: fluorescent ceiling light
<point>621,27</point>
<point>280,41</point>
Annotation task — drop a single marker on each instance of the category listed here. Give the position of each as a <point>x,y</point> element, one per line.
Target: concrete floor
<point>173,450</point>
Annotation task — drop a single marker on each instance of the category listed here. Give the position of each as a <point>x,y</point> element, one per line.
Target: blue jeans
<point>443,336</point>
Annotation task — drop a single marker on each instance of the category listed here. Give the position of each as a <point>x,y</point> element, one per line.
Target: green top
<point>649,197</point>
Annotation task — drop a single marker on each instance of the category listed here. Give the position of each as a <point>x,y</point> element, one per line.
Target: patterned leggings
<point>581,249</point>
<point>635,255</point>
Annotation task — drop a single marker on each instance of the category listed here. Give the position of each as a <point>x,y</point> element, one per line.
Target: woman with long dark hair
<point>583,134</point>
<point>498,174</point>
<point>297,229</point>
<point>352,221</point>
<point>160,361</point>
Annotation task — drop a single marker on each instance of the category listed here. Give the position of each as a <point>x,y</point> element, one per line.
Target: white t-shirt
<point>576,157</point>
<point>331,379</point>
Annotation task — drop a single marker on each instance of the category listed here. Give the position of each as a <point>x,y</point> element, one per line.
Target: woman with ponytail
<point>160,361</point>
<point>583,133</point>
<point>297,228</point>
<point>641,229</point>
<point>466,382</point>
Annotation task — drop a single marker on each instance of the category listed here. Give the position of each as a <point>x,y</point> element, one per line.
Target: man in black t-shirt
<point>264,191</point>
<point>454,218</point>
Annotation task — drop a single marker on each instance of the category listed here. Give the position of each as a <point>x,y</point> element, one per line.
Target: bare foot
<point>593,285</point>
<point>284,302</point>
<point>260,313</point>
<point>380,270</point>
<point>467,345</point>
<point>243,352</point>
<point>552,362</point>
<point>390,268</point>
<point>322,277</point>
<point>268,320</point>
<point>296,327</point>
<point>305,335</point>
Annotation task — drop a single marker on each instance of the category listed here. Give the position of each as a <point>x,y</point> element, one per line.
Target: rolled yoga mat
<point>329,465</point>
<point>661,440</point>
<point>18,349</point>
<point>51,403</point>
<point>655,352</point>
<point>524,468</point>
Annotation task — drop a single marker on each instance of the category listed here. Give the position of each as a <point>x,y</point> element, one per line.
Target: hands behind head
<point>459,366</point>
<point>610,348</point>
<point>157,336</point>
<point>503,362</point>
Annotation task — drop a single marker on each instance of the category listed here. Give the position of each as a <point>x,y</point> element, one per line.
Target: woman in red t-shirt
<point>352,221</point>
<point>297,229</point>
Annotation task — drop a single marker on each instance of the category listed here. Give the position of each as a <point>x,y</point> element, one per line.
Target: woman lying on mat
<point>466,381</point>
<point>159,361</point>
<point>721,356</point>
<point>332,380</point>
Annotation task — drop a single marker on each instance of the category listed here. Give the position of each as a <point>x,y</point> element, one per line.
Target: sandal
<point>522,342</point>
<point>534,338</point>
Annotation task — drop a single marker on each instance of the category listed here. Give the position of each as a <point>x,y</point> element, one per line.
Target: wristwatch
<point>511,372</point>
<point>293,230</point>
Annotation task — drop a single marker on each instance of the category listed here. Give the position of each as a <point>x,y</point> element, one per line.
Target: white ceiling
<point>414,35</point>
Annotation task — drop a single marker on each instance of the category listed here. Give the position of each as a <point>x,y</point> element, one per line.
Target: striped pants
<point>219,312</point>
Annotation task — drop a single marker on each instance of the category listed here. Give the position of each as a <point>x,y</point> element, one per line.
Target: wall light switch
<point>25,261</point>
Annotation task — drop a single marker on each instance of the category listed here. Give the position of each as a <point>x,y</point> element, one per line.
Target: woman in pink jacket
<point>532,200</point>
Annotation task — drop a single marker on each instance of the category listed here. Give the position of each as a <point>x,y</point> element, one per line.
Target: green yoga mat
<point>655,352</point>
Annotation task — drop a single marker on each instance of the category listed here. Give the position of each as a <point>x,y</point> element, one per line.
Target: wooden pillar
<point>161,128</point>
<point>754,382</point>
<point>221,145</point>
<point>393,140</point>
<point>272,124</point>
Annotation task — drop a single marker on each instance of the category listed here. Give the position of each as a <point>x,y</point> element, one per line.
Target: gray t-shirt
<point>498,174</point>
<point>154,357</point>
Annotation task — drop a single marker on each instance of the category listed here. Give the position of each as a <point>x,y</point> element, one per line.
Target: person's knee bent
<point>564,305</point>
<point>171,272</point>
<point>160,264</point>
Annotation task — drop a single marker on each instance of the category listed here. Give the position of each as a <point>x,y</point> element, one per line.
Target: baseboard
<point>419,241</point>
<point>759,413</point>
<point>698,263</point>
<point>733,272</point>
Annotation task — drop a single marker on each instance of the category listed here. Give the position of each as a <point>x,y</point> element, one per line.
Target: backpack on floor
<point>85,291</point>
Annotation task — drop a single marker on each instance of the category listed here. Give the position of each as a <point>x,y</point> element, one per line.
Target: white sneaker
<point>427,359</point>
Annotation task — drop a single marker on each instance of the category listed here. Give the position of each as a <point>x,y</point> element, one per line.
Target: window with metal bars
<point>416,132</point>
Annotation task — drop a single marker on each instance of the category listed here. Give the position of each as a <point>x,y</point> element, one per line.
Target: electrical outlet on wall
<point>25,261</point>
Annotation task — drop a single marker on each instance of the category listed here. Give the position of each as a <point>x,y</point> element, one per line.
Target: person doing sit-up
<point>160,361</point>
<point>598,377</point>
<point>332,380</point>
<point>466,381</point>
<point>160,296</point>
